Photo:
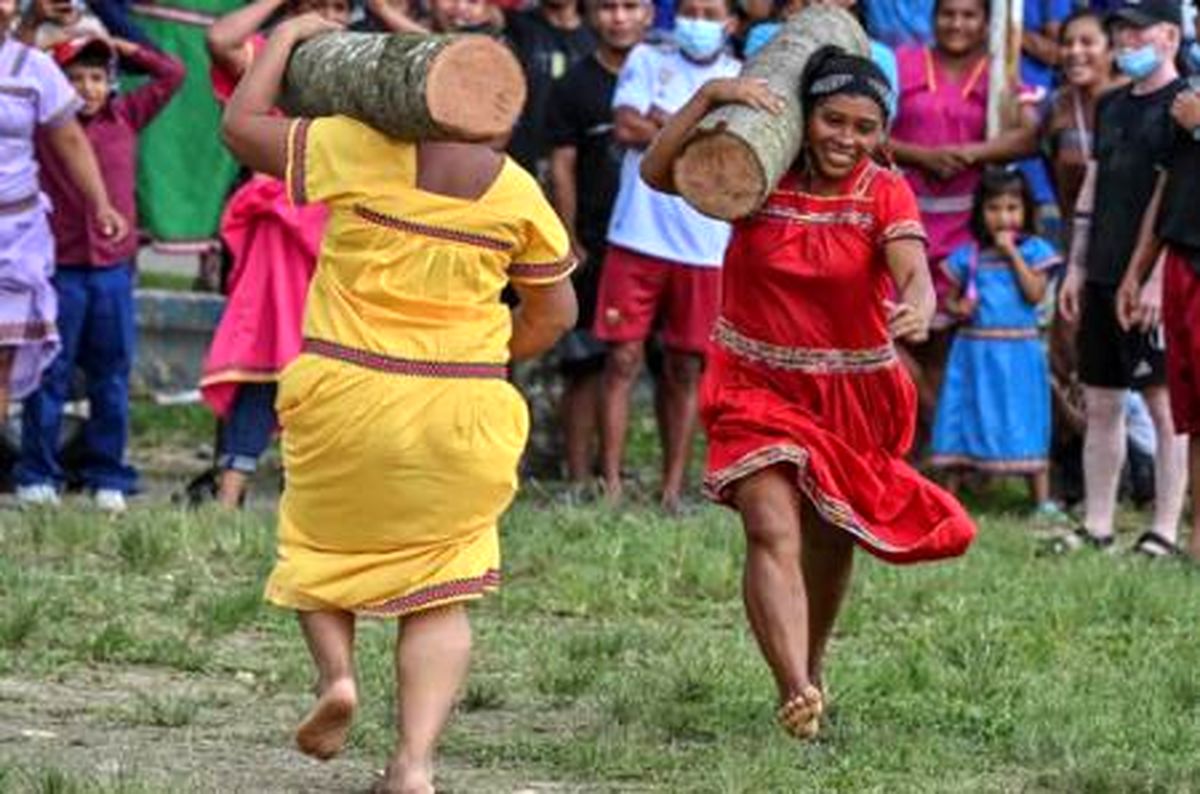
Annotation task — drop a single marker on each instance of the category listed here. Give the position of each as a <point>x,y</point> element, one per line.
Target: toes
<point>801,715</point>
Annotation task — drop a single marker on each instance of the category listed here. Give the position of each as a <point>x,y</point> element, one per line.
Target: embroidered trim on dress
<point>835,511</point>
<point>972,332</point>
<point>425,230</point>
<point>863,220</point>
<point>804,359</point>
<point>19,206</point>
<point>435,595</point>
<point>35,331</point>
<point>403,366</point>
<point>1007,466</point>
<point>17,90</point>
<point>299,162</point>
<point>526,271</point>
<point>904,230</point>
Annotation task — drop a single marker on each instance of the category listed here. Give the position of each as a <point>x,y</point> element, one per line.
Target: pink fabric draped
<point>274,247</point>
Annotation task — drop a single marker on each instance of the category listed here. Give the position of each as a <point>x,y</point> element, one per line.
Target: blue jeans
<point>115,16</point>
<point>247,431</point>
<point>95,322</point>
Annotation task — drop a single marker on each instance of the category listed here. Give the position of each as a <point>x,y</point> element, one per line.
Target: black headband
<point>831,71</point>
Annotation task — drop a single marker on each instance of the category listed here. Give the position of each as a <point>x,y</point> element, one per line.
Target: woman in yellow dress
<point>401,433</point>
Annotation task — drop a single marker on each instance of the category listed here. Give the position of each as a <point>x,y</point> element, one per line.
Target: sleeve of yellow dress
<point>545,254</point>
<point>329,158</point>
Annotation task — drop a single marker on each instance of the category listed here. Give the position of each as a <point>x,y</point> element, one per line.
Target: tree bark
<point>737,154</point>
<point>408,85</point>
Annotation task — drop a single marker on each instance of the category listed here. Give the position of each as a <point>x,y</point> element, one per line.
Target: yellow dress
<point>401,435</point>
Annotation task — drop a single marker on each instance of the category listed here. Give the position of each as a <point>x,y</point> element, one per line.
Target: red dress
<point>802,370</point>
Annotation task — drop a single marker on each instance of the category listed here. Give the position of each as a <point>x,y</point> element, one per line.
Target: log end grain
<point>719,175</point>
<point>475,88</point>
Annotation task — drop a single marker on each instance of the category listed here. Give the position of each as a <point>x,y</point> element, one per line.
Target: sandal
<point>1155,547</point>
<point>801,716</point>
<point>1079,538</point>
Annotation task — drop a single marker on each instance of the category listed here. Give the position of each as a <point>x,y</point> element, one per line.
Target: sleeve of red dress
<point>896,213</point>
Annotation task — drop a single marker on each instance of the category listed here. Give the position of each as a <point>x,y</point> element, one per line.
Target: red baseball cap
<point>66,52</point>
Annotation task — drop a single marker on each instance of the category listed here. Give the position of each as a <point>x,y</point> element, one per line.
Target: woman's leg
<point>826,560</point>
<point>330,638</point>
<point>772,585</point>
<point>433,652</point>
<point>1103,457</point>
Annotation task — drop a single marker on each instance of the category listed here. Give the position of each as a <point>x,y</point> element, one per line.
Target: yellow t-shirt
<point>412,274</point>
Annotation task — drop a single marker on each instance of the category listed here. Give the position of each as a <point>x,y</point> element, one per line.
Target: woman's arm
<point>75,151</point>
<point>394,17</point>
<point>943,162</point>
<point>1032,282</point>
<point>1011,144</point>
<point>909,319</point>
<point>227,38</point>
<point>657,163</point>
<point>564,192</point>
<point>545,313</point>
<point>258,139</point>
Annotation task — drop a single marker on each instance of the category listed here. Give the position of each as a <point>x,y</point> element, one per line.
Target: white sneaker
<point>110,500</point>
<point>41,495</point>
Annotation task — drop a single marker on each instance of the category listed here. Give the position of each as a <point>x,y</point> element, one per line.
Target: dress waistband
<point>998,333</point>
<point>404,366</point>
<point>20,205</point>
<point>814,360</point>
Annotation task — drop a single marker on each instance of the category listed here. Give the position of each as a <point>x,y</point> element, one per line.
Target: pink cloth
<point>274,247</point>
<point>935,109</point>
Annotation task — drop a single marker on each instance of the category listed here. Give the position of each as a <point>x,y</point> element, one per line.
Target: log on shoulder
<point>410,86</point>
<point>737,155</point>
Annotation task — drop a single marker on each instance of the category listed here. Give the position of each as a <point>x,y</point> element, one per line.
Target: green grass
<point>616,658</point>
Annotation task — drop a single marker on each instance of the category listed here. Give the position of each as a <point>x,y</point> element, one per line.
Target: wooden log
<point>737,155</point>
<point>408,86</point>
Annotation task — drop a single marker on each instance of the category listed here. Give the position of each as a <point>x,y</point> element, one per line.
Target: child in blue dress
<point>993,413</point>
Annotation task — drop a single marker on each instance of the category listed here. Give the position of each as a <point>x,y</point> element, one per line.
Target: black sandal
<point>1079,538</point>
<point>1155,547</point>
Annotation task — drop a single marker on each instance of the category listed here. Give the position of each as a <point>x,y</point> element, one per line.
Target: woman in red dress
<point>808,411</point>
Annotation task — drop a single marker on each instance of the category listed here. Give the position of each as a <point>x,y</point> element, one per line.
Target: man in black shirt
<point>1134,132</point>
<point>585,173</point>
<point>548,40</point>
<point>1172,222</point>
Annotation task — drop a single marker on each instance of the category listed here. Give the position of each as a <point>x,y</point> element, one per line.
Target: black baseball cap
<point>1144,13</point>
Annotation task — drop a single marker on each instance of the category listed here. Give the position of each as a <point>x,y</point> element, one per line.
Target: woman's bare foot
<point>323,732</point>
<point>403,778</point>
<point>801,714</point>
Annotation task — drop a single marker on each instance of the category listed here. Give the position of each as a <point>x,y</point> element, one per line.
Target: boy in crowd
<point>662,266</point>
<point>548,39</point>
<point>1134,133</point>
<point>94,278</point>
<point>1173,222</point>
<point>585,173</point>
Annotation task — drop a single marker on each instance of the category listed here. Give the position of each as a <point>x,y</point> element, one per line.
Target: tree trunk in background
<point>737,155</point>
<point>408,86</point>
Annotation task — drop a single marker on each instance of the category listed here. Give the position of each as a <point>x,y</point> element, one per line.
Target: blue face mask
<point>1140,63</point>
<point>700,39</point>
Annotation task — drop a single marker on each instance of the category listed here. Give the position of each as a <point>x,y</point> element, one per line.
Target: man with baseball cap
<point>1134,132</point>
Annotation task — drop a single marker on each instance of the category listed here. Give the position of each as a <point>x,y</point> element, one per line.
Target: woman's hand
<point>750,91</point>
<point>907,323</point>
<point>304,27</point>
<point>945,163</point>
<point>1070,294</point>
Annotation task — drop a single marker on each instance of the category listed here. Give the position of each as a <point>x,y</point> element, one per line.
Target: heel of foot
<point>323,732</point>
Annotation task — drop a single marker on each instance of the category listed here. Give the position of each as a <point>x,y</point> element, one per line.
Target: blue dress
<point>993,413</point>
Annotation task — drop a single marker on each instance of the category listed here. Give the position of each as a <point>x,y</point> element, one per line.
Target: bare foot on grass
<point>800,716</point>
<point>323,732</point>
<point>406,779</point>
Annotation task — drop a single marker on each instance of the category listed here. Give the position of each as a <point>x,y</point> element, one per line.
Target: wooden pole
<point>737,155</point>
<point>997,65</point>
<point>409,86</point>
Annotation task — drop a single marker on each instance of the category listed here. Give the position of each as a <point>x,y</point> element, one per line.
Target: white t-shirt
<point>643,219</point>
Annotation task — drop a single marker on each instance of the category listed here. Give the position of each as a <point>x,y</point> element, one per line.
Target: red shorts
<point>1181,322</point>
<point>637,290</point>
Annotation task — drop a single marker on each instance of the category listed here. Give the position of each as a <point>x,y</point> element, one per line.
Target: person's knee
<point>1104,407</point>
<point>683,369</point>
<point>624,362</point>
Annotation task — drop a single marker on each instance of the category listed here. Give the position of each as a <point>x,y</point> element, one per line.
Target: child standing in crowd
<point>35,97</point>
<point>274,247</point>
<point>993,413</point>
<point>95,275</point>
<point>585,170</point>
<point>664,258</point>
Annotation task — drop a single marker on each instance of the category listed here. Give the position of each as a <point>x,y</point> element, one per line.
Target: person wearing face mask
<point>1134,133</point>
<point>807,408</point>
<point>662,266</point>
